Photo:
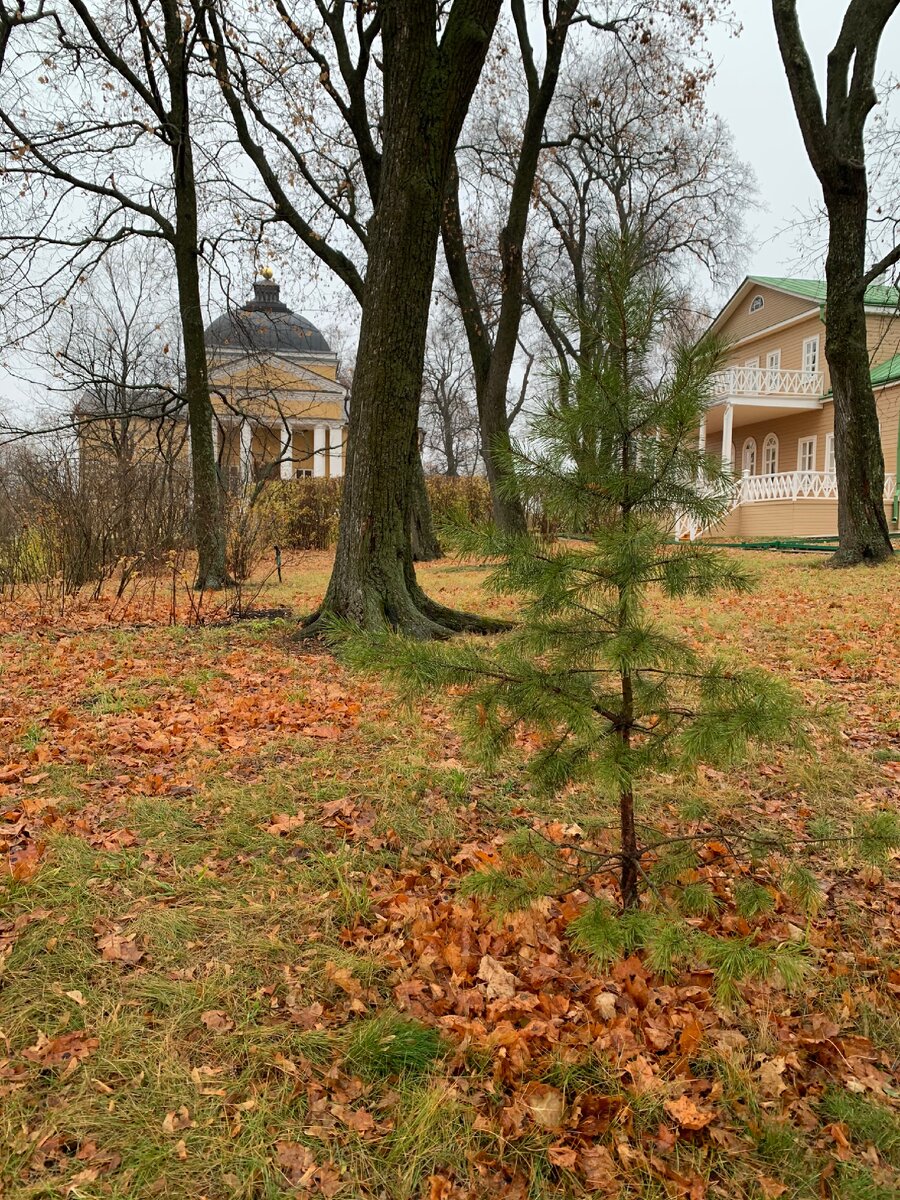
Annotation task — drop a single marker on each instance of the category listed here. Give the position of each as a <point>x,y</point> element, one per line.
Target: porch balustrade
<point>794,485</point>
<point>767,381</point>
<point>785,485</point>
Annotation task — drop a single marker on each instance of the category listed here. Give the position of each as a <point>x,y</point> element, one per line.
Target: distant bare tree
<point>654,166</point>
<point>504,147</point>
<point>98,129</point>
<point>449,412</point>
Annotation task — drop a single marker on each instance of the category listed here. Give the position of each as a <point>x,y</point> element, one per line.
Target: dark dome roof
<point>264,323</point>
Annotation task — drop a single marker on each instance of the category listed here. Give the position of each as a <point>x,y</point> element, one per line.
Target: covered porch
<point>250,450</point>
<point>745,396</point>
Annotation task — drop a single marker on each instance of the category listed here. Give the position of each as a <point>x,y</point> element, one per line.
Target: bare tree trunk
<point>209,530</point>
<point>425,544</point>
<point>490,375</point>
<point>859,462</point>
<point>628,875</point>
<point>835,143</point>
<point>427,90</point>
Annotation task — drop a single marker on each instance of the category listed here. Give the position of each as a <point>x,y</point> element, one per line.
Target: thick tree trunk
<point>425,544</point>
<point>859,461</point>
<point>835,142</point>
<point>427,89</point>
<point>209,530</point>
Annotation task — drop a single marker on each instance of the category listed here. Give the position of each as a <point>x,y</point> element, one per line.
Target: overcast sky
<point>750,92</point>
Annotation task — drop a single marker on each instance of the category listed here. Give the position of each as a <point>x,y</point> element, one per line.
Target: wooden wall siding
<point>780,519</point>
<point>883,338</point>
<point>790,342</point>
<point>778,307</point>
<point>789,429</point>
<point>888,401</point>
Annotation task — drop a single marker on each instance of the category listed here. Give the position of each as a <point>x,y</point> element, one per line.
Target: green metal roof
<point>886,372</point>
<point>879,295</point>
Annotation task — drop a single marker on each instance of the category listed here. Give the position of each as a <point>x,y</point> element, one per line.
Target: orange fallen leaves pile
<point>167,715</point>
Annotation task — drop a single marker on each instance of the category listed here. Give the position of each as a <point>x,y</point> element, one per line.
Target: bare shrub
<point>68,526</point>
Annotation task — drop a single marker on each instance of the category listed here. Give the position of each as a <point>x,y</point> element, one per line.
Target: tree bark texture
<point>835,143</point>
<point>209,531</point>
<point>864,535</point>
<point>424,540</point>
<point>427,88</point>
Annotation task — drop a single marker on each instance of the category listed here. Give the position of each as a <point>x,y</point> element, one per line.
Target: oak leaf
<point>299,1165</point>
<point>563,1156</point>
<point>686,1113</point>
<point>356,1119</point>
<point>599,1170</point>
<point>501,984</point>
<point>23,861</point>
<point>282,823</point>
<point>115,948</point>
<point>217,1021</point>
<point>174,1121</point>
<point>68,1048</point>
<point>770,1076</point>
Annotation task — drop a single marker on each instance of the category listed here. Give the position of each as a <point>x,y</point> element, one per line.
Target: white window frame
<point>770,442</point>
<point>749,444</point>
<point>752,362</point>
<point>830,463</point>
<point>757,303</point>
<point>804,442</point>
<point>811,355</point>
<point>773,365</point>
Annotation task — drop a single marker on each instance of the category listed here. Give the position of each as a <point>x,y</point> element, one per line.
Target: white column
<point>246,452</point>
<point>319,450</point>
<point>287,452</point>
<point>701,437</point>
<point>727,429</point>
<point>335,452</point>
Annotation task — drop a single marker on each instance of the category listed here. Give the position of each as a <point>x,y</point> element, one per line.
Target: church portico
<point>250,450</point>
<point>279,411</point>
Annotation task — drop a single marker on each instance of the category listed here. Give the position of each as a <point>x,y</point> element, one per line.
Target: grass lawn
<point>236,962</point>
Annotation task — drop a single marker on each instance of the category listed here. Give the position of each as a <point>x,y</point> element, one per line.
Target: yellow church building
<point>278,408</point>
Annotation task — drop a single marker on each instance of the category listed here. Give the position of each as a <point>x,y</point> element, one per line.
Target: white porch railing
<point>767,381</point>
<point>787,485</point>
<point>795,485</point>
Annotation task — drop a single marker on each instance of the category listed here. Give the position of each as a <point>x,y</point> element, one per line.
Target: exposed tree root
<point>865,556</point>
<point>407,611</point>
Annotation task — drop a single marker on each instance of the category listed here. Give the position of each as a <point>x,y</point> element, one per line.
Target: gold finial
<point>267,272</point>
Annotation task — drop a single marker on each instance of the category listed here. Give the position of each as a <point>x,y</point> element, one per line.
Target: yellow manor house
<point>278,409</point>
<point>772,418</point>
